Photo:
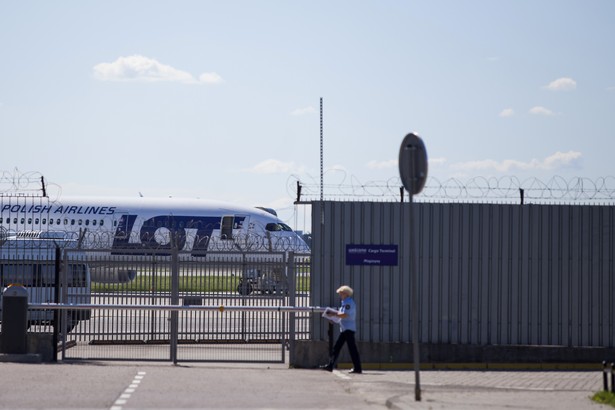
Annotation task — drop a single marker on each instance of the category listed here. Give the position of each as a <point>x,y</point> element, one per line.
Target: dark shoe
<point>326,367</point>
<point>353,371</point>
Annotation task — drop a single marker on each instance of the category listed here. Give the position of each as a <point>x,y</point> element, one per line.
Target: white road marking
<point>123,398</point>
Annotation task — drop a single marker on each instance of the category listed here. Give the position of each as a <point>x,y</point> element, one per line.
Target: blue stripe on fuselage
<point>177,226</point>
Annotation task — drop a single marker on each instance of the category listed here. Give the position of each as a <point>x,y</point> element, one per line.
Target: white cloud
<point>144,69</point>
<point>391,163</point>
<point>538,110</point>
<point>210,78</point>
<point>562,84</point>
<point>336,167</point>
<point>303,111</point>
<point>554,161</point>
<point>610,88</point>
<point>507,112</point>
<point>273,166</point>
<point>436,161</point>
<point>560,159</point>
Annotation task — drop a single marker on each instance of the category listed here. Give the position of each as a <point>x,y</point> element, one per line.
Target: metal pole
<point>291,276</point>
<point>176,308</point>
<point>174,299</point>
<point>605,380</point>
<point>612,377</point>
<point>56,313</point>
<point>153,300</point>
<point>415,307</point>
<point>64,297</point>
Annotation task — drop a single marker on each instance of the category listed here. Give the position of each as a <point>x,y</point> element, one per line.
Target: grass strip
<point>604,397</point>
<point>197,283</point>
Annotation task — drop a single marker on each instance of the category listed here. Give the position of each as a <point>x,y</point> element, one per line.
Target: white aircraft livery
<point>133,224</point>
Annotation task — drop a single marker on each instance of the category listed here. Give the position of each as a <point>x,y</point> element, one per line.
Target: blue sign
<point>371,255</point>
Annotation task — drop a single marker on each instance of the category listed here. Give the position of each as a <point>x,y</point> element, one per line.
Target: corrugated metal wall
<point>490,274</point>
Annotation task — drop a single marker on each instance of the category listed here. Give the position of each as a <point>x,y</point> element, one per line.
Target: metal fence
<point>489,274</point>
<point>142,289</point>
<point>216,279</point>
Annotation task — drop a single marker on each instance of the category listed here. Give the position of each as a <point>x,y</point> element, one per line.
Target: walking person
<point>348,326</point>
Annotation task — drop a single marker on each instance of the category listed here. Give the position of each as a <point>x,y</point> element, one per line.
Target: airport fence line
<point>175,350</point>
<point>142,302</point>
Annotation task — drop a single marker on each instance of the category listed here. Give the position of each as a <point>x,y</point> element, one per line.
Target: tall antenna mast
<point>321,153</point>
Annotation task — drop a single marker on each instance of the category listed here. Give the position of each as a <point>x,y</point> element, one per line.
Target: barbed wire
<point>349,187</point>
<point>136,241</point>
<point>27,184</point>
<point>475,189</point>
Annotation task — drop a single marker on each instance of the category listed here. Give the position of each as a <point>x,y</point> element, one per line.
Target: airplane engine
<point>112,275</point>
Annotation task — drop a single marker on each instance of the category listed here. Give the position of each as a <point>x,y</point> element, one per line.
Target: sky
<point>221,99</point>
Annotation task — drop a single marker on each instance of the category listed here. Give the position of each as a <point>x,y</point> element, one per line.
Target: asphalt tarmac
<point>131,385</point>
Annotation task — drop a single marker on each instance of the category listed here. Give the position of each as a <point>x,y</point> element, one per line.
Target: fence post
<point>174,300</point>
<point>606,369</point>
<point>612,377</point>
<point>292,299</point>
<point>56,313</point>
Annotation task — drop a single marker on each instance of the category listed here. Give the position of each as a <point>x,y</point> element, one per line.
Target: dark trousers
<point>347,336</point>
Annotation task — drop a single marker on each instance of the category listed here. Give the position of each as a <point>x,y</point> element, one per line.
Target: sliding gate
<point>172,306</point>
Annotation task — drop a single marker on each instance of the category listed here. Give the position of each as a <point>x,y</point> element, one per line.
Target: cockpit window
<point>276,227</point>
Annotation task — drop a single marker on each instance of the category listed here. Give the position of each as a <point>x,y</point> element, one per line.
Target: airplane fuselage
<point>144,224</point>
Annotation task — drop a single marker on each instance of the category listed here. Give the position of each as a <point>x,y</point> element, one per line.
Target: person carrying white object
<point>345,316</point>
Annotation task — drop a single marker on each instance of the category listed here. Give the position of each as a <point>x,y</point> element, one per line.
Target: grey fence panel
<point>513,320</point>
<point>203,335</point>
<point>488,273</point>
<point>432,282</point>
<point>594,305</point>
<point>424,282</point>
<point>574,277</point>
<point>448,264</point>
<point>585,299</point>
<point>606,266</point>
<point>499,265</point>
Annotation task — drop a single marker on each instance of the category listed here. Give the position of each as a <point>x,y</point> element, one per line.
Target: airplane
<point>140,225</point>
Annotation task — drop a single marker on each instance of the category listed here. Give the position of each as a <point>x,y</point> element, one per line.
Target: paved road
<point>485,389</point>
<point>123,386</point>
